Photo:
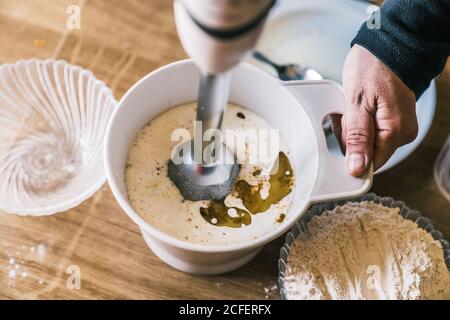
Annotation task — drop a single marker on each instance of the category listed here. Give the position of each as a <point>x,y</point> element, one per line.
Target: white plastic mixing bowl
<point>296,108</point>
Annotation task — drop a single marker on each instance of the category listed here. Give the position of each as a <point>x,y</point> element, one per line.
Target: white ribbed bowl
<point>53,118</point>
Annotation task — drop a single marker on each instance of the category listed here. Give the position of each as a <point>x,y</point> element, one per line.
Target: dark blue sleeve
<point>413,39</point>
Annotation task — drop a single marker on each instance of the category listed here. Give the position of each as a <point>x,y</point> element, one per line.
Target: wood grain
<point>120,41</point>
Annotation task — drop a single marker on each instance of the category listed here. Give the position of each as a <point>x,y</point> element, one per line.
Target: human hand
<point>380,115</point>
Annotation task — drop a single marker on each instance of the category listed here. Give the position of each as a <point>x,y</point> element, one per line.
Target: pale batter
<point>154,196</point>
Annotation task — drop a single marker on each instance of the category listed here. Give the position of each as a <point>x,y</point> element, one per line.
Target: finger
<point>382,153</point>
<point>388,140</point>
<point>344,134</point>
<point>336,126</point>
<point>393,133</point>
<point>359,138</point>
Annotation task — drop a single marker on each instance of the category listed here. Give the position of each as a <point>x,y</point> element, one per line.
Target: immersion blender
<point>216,34</point>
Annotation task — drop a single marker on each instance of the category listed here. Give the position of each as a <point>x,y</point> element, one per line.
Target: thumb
<point>359,135</point>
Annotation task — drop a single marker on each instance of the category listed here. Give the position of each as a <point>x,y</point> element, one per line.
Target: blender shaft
<point>211,106</point>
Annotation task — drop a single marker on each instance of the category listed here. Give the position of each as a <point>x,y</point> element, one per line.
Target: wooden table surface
<point>121,41</point>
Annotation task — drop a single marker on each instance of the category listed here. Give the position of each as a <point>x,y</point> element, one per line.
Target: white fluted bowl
<point>53,118</point>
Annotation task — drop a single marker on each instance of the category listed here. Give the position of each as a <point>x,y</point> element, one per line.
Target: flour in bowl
<point>365,251</point>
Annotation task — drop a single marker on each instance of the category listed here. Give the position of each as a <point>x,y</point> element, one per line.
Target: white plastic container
<point>296,108</point>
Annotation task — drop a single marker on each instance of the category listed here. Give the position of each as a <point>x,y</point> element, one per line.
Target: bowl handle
<point>319,99</point>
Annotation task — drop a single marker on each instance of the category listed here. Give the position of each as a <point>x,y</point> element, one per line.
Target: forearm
<point>413,41</point>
